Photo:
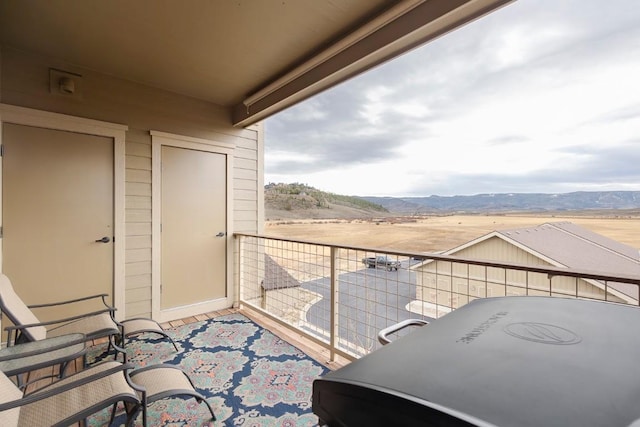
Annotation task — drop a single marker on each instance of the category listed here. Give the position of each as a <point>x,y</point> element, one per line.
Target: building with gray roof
<point>445,285</point>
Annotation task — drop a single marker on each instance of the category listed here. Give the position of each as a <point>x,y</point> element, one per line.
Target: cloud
<point>508,139</point>
<point>538,96</point>
<point>592,169</point>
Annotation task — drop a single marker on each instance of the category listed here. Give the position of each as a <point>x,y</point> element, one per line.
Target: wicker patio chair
<point>97,324</point>
<point>71,399</point>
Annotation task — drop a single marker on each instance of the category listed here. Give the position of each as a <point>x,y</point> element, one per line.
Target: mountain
<point>511,202</point>
<point>302,201</point>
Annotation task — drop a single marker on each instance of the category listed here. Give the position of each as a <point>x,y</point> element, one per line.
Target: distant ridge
<point>511,202</point>
<point>300,201</point>
<point>289,201</point>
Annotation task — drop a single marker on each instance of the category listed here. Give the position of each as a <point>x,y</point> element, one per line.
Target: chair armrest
<point>54,389</point>
<point>53,304</point>
<point>56,321</point>
<point>34,350</point>
<point>156,366</point>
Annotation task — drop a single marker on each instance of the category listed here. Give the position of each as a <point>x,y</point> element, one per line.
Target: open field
<point>440,233</point>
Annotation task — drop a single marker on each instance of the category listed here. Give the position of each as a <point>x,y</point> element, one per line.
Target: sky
<point>541,96</point>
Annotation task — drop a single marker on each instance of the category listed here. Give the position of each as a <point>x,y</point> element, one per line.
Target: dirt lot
<point>439,233</point>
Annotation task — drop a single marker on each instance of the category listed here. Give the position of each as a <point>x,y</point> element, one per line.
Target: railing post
<point>238,272</point>
<point>451,280</point>
<point>437,310</point>
<point>334,304</point>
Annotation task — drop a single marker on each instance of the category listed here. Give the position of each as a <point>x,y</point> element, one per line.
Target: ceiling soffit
<point>254,57</point>
<point>408,25</point>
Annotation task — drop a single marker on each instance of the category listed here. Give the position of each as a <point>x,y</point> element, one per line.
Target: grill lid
<point>525,361</point>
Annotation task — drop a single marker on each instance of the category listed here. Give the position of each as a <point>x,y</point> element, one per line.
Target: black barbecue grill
<point>512,361</point>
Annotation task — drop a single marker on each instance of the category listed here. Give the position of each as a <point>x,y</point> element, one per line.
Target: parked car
<point>381,261</point>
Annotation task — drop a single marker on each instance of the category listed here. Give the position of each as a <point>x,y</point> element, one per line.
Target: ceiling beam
<point>408,25</point>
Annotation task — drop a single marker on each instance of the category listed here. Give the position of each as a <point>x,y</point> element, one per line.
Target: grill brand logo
<point>542,333</point>
<point>481,328</point>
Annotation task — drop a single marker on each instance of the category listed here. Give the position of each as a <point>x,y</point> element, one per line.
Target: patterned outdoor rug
<point>248,375</point>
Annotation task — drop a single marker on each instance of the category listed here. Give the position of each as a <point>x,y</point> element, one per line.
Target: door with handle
<point>57,202</point>
<point>193,236</point>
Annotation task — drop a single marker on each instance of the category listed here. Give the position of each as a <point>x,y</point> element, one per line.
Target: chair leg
<point>117,349</point>
<point>199,398</point>
<point>213,416</point>
<point>63,367</point>
<point>113,413</point>
<point>170,340</point>
<point>21,382</point>
<point>132,412</point>
<point>144,415</point>
<point>109,348</point>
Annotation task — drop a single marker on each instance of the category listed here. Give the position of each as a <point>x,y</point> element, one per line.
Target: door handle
<point>221,234</point>
<point>105,239</point>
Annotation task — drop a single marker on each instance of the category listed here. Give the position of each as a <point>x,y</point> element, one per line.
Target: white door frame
<point>159,139</point>
<point>55,121</point>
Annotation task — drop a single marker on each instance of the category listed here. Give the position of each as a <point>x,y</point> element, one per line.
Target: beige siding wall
<point>498,249</point>
<point>138,222</point>
<point>24,81</point>
<point>247,184</point>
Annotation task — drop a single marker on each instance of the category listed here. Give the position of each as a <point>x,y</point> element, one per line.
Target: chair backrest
<point>8,393</point>
<point>17,311</point>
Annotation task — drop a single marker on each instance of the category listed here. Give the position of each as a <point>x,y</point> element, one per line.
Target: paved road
<point>370,300</point>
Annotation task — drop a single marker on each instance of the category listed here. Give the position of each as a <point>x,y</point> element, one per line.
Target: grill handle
<point>382,335</point>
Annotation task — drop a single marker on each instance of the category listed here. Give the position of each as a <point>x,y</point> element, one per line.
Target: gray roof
<point>276,277</point>
<point>576,247</point>
<point>572,246</point>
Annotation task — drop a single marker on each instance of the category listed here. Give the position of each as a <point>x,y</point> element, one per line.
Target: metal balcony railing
<point>326,292</point>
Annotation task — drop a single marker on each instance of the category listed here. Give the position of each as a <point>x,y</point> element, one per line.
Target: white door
<point>193,229</point>
<point>57,202</point>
